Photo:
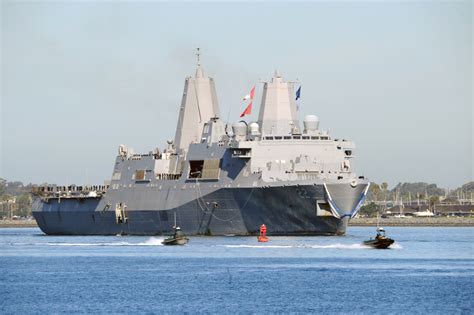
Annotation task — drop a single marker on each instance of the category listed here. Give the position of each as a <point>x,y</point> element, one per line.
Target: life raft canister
<point>263,234</point>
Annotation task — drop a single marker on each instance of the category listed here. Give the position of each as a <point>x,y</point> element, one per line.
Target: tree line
<point>15,199</point>
<point>429,194</point>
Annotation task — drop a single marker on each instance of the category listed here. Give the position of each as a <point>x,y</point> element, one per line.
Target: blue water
<point>429,270</point>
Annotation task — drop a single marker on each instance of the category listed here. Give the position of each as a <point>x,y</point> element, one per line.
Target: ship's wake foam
<point>396,246</point>
<point>341,246</point>
<point>316,246</point>
<point>152,241</point>
<point>258,246</point>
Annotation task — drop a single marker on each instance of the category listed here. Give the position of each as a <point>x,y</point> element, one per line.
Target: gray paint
<point>198,105</point>
<point>295,183</point>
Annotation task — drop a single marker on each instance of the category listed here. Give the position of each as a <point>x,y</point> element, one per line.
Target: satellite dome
<point>311,123</point>
<point>254,128</point>
<point>239,129</point>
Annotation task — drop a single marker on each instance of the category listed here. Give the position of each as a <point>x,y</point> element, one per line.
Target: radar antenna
<point>198,54</point>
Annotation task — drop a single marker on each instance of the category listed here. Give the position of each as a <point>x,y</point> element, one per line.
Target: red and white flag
<point>250,95</point>
<point>248,109</point>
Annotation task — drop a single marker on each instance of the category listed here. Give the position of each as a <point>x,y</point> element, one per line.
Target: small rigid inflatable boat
<point>381,241</point>
<point>178,238</point>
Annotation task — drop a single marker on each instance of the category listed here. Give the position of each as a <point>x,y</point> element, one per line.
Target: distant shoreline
<point>413,221</point>
<point>17,223</point>
<point>409,221</point>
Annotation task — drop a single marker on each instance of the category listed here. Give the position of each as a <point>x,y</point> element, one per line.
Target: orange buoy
<point>263,234</point>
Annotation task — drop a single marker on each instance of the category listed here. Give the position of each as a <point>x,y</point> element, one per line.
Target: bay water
<point>428,270</point>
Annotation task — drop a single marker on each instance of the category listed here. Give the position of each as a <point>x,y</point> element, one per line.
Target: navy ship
<point>219,179</point>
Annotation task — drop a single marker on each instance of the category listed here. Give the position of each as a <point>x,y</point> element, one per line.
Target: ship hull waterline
<point>227,211</point>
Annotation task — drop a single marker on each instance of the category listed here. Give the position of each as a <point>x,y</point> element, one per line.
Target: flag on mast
<point>250,95</point>
<point>298,95</point>
<point>248,109</point>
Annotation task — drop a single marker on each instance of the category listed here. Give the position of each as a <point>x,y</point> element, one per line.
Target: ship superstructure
<point>220,179</point>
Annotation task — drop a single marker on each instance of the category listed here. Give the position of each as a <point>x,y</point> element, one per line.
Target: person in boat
<point>380,233</point>
<point>178,232</point>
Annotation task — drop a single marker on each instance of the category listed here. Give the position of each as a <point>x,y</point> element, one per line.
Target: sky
<point>80,78</point>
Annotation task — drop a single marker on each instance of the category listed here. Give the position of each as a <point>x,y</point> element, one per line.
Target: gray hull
<point>227,211</point>
<point>294,179</point>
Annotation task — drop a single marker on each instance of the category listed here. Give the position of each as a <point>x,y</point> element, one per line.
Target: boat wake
<point>341,246</point>
<point>152,241</point>
<point>258,246</point>
<point>328,246</point>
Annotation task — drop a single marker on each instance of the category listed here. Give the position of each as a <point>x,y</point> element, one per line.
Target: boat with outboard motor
<point>381,241</point>
<point>178,238</point>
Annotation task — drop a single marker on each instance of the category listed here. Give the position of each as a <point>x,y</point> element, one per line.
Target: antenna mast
<point>198,54</point>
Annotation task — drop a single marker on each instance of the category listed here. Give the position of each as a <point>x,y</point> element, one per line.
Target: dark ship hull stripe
<point>238,211</point>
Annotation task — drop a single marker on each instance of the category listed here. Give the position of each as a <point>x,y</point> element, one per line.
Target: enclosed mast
<point>278,108</point>
<point>198,105</point>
